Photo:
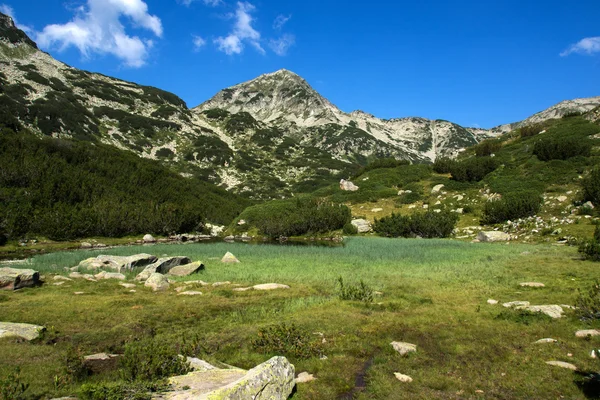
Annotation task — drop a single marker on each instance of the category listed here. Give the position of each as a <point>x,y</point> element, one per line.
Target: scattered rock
<point>562,364</point>
<point>493,236</point>
<point>58,283</point>
<point>157,282</point>
<point>201,283</point>
<point>348,186</point>
<point>402,377</point>
<point>437,188</point>
<point>78,293</point>
<point>127,285</point>
<point>375,210</point>
<point>25,331</point>
<point>101,362</point>
<point>162,266</point>
<point>561,199</point>
<point>85,245</point>
<point>229,238</point>
<point>304,377</point>
<point>61,278</point>
<point>587,332</point>
<point>14,278</point>
<point>221,283</point>
<point>553,311</point>
<point>273,379</point>
<point>531,284</point>
<point>593,354</point>
<point>362,225</point>
<point>190,293</point>
<point>111,275</point>
<point>242,289</point>
<point>77,275</point>
<point>492,301</point>
<point>588,205</point>
<point>516,304</point>
<point>270,286</point>
<point>187,269</point>
<point>404,348</point>
<point>117,263</point>
<point>546,340</point>
<point>229,258</point>
<point>149,238</point>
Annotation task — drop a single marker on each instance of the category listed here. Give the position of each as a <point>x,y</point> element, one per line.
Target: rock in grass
<point>199,365</point>
<point>562,364</point>
<point>348,186</point>
<point>190,293</point>
<point>162,266</point>
<point>25,331</point>
<point>127,285</point>
<point>110,275</point>
<point>187,269</point>
<point>532,284</point>
<point>553,310</point>
<point>546,340</point>
<point>101,362</point>
<point>117,263</point>
<point>148,238</point>
<point>402,377</point>
<point>157,282</point>
<point>61,278</point>
<point>587,332</point>
<point>516,304</point>
<point>14,278</point>
<point>270,286</point>
<point>229,258</point>
<point>437,188</point>
<point>304,377</point>
<point>362,225</point>
<point>404,348</point>
<point>492,301</point>
<point>493,236</point>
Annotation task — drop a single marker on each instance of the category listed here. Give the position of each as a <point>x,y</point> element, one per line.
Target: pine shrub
<point>512,206</point>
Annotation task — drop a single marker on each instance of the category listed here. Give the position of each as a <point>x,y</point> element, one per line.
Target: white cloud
<point>199,42</point>
<point>280,46</point>
<point>587,46</point>
<point>8,10</point>
<point>242,32</point>
<point>280,21</point>
<point>210,3</point>
<point>97,28</point>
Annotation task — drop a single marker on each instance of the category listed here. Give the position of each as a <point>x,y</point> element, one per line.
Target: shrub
<point>530,130</point>
<point>287,339</point>
<point>587,304</point>
<point>591,187</point>
<point>11,386</point>
<point>409,198</point>
<point>356,292</point>
<point>426,225</point>
<point>381,163</point>
<point>149,360</point>
<point>443,165</point>
<point>562,148</point>
<point>473,169</point>
<point>487,147</point>
<point>512,206</point>
<point>350,229</point>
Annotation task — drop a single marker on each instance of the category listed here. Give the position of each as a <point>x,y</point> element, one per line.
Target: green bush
<point>350,229</point>
<point>354,292</point>
<point>530,130</point>
<point>587,304</point>
<point>443,165</point>
<point>511,206</point>
<point>11,386</point>
<point>425,225</point>
<point>288,340</point>
<point>381,163</point>
<point>562,148</point>
<point>473,169</point>
<point>487,147</point>
<point>591,187</point>
<point>149,360</point>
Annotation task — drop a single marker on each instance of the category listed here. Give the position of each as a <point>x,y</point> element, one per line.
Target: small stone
<point>61,278</point>
<point>553,310</point>
<point>270,286</point>
<point>492,301</point>
<point>78,293</point>
<point>479,391</point>
<point>148,239</point>
<point>229,258</point>
<point>404,348</point>
<point>437,188</point>
<point>375,210</point>
<point>561,198</point>
<point>85,245</point>
<point>546,340</point>
<point>58,283</point>
<point>221,283</point>
<point>531,284</point>
<point>587,332</point>
<point>157,282</point>
<point>516,304</point>
<point>304,377</point>
<point>201,283</point>
<point>127,285</point>
<point>132,291</point>
<point>242,289</point>
<point>101,362</point>
<point>190,293</point>
<point>402,377</point>
<point>493,236</point>
<point>593,354</point>
<point>562,364</point>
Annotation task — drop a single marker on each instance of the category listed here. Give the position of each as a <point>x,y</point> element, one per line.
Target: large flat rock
<point>25,331</point>
<point>162,266</point>
<point>187,269</point>
<point>117,263</point>
<point>15,278</point>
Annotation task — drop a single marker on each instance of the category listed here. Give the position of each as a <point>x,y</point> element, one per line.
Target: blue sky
<point>476,63</point>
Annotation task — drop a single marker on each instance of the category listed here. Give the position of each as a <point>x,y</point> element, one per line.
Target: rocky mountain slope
<point>270,137</point>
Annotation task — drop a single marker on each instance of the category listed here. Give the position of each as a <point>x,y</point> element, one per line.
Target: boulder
<point>117,263</point>
<point>404,348</point>
<point>186,269</point>
<point>85,245</point>
<point>229,258</point>
<point>199,365</point>
<point>110,275</point>
<point>162,266</point>
<point>516,304</point>
<point>402,377</point>
<point>101,362</point>
<point>437,188</point>
<point>562,364</point>
<point>270,286</point>
<point>553,311</point>
<point>587,332</point>
<point>493,236</point>
<point>14,278</point>
<point>157,282</point>
<point>362,225</point>
<point>148,238</point>
<point>25,331</point>
<point>348,186</point>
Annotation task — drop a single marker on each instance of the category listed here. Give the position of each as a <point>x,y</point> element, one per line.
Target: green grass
<point>434,294</point>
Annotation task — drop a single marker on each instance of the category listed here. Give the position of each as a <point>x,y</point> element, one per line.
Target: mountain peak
<point>9,32</point>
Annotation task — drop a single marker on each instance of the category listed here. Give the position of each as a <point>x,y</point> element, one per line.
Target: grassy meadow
<point>432,293</point>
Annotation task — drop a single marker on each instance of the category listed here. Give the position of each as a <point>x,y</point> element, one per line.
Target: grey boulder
<point>162,266</point>
<point>14,278</point>
<point>25,331</point>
